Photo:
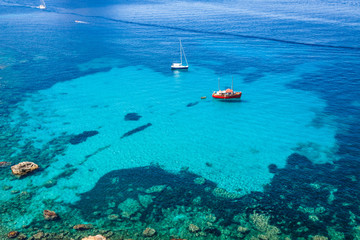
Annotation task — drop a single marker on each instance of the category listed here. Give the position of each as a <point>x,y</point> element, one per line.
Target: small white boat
<point>42,5</point>
<point>83,22</point>
<point>180,65</point>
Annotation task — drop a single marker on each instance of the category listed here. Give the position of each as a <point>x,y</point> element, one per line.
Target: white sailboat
<point>180,65</point>
<point>42,4</point>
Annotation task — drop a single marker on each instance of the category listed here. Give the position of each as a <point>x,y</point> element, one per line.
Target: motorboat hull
<point>225,96</point>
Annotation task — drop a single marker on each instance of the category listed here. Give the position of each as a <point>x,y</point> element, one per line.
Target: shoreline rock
<point>24,168</point>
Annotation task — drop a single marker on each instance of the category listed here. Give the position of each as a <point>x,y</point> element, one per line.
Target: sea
<point>135,150</point>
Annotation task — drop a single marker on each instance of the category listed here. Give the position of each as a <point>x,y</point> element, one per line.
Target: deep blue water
<point>292,143</point>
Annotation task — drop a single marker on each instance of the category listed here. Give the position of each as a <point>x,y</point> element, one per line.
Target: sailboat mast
<point>219,83</point>
<point>184,56</point>
<point>232,83</point>
<point>180,52</point>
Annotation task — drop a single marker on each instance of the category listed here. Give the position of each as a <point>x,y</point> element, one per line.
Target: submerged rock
<point>138,129</point>
<point>82,137</point>
<point>132,117</point>
<point>145,200</point>
<point>6,188</point>
<point>4,164</point>
<point>262,237</point>
<point>13,234</point>
<point>211,218</point>
<point>192,104</point>
<point>213,231</point>
<point>97,237</point>
<point>220,192</point>
<point>273,168</point>
<point>129,207</point>
<point>155,189</point>
<point>83,227</point>
<point>193,228</point>
<point>319,237</point>
<point>199,180</point>
<point>242,229</point>
<point>24,168</point>
<point>50,183</point>
<point>21,236</point>
<point>50,215</point>
<point>149,232</point>
<point>38,235</point>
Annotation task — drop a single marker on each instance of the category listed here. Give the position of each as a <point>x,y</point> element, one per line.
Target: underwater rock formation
<point>318,237</point>
<point>149,232</point>
<point>129,207</point>
<point>132,117</point>
<point>199,180</point>
<point>138,129</point>
<point>50,215</point>
<point>13,234</point>
<point>221,192</point>
<point>38,235</point>
<point>4,164</point>
<point>242,229</point>
<point>155,189</point>
<point>24,168</point>
<point>83,227</point>
<point>82,137</point>
<point>97,237</point>
<point>145,200</point>
<point>193,228</point>
<point>192,104</point>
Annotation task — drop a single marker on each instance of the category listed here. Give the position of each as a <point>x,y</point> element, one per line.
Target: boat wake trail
<point>216,33</point>
<point>208,32</point>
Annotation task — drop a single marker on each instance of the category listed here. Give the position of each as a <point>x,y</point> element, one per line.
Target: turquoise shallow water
<point>289,149</point>
<point>238,139</point>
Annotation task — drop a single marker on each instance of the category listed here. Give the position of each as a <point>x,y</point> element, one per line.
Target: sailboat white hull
<point>179,66</point>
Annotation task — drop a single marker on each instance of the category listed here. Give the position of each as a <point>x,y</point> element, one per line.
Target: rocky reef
<point>303,201</point>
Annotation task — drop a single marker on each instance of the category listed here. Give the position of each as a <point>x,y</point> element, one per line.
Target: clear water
<point>297,64</point>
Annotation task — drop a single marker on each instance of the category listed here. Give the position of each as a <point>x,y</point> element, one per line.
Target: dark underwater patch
<point>272,168</point>
<point>132,117</point>
<point>306,199</point>
<point>252,77</point>
<point>120,185</point>
<point>138,129</point>
<point>94,153</point>
<point>82,137</point>
<point>192,104</point>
